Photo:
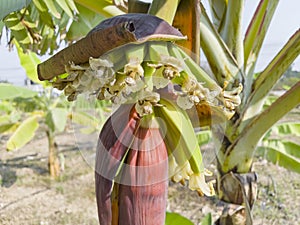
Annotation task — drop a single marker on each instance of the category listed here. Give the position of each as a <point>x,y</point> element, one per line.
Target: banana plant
<point>42,25</point>
<point>34,112</point>
<point>26,112</point>
<point>232,59</point>
<point>281,143</point>
<point>23,113</point>
<point>225,47</point>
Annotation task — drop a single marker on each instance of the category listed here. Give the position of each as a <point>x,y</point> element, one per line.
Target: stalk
<point>136,6</point>
<point>218,9</point>
<point>102,7</point>
<point>271,74</point>
<point>187,20</point>
<point>53,163</point>
<point>232,30</point>
<point>165,9</point>
<point>257,29</point>
<point>223,64</point>
<point>93,45</point>
<point>240,153</point>
<point>254,38</point>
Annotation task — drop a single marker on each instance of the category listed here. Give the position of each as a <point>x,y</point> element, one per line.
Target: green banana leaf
<point>29,62</point>
<point>24,133</point>
<point>207,220</point>
<point>68,7</point>
<point>4,119</point>
<point>90,123</point>
<point>56,119</point>
<point>176,219</point>
<point>282,153</point>
<point>86,21</point>
<point>5,106</point>
<point>257,29</point>
<point>105,8</point>
<point>8,128</point>
<point>287,129</point>
<point>8,6</point>
<point>283,147</point>
<point>9,91</point>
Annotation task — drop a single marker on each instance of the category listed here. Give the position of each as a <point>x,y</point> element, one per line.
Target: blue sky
<point>285,22</point>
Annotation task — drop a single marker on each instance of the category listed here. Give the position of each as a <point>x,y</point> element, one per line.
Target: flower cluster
<point>165,71</point>
<point>196,181</point>
<point>192,93</point>
<point>146,101</point>
<point>100,78</point>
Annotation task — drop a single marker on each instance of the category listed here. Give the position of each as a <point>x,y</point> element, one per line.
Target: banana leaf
<point>56,119</point>
<point>176,219</point>
<point>24,133</point>
<point>8,6</point>
<point>9,91</point>
<point>282,153</point>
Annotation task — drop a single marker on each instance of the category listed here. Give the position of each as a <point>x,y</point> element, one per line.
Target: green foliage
<point>23,111</point>
<point>207,220</point>
<point>27,112</point>
<point>8,6</point>
<point>29,62</point>
<point>176,219</point>
<point>85,21</point>
<point>40,24</point>
<point>281,145</point>
<point>8,91</point>
<point>23,134</point>
<point>56,119</point>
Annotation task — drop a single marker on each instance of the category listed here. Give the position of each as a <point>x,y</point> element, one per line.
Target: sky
<point>285,23</point>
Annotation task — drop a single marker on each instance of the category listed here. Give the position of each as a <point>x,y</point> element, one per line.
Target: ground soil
<point>28,196</point>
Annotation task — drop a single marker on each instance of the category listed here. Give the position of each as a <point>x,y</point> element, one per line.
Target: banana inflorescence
<point>155,80</point>
<point>138,74</point>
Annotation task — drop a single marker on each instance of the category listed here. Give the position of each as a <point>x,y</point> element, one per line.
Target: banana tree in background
<point>232,58</point>
<point>31,111</point>
<point>24,112</point>
<point>28,112</point>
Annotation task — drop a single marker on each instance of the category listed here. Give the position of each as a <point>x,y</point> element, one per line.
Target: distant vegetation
<point>289,78</point>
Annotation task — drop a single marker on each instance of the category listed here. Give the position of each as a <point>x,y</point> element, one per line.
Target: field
<point>28,196</point>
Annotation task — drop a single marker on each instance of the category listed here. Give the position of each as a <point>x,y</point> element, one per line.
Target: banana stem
<point>165,9</point>
<point>187,20</point>
<point>136,6</point>
<point>255,130</point>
